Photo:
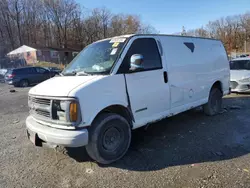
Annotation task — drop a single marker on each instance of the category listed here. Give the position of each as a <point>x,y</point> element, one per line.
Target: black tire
<point>214,104</point>
<point>24,83</point>
<point>15,85</point>
<point>109,138</point>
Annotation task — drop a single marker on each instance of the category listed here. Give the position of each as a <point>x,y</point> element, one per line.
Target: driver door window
<point>42,74</point>
<point>147,47</point>
<point>40,70</point>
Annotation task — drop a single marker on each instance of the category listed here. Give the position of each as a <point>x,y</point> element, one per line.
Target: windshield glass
<point>97,58</point>
<point>240,65</point>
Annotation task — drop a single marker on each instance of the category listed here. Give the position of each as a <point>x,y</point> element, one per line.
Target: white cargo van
<point>122,83</point>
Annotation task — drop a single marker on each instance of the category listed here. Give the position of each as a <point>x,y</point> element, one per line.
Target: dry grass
<point>49,64</point>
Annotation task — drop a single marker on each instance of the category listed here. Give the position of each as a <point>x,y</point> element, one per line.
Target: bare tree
<point>15,11</point>
<point>61,13</point>
<point>6,20</point>
<point>104,17</point>
<point>233,31</point>
<point>245,24</point>
<point>147,29</point>
<point>60,23</point>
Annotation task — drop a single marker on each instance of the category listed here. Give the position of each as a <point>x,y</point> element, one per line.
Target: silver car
<point>240,75</point>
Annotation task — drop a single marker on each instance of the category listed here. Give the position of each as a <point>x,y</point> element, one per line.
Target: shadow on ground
<point>187,138</point>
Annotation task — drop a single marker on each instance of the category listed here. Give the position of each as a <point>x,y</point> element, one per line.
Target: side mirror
<point>136,61</point>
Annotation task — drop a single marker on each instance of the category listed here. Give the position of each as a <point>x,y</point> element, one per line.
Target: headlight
<point>63,105</point>
<point>245,80</point>
<point>66,110</point>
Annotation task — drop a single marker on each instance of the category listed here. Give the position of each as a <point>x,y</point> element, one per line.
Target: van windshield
<point>97,58</point>
<point>240,65</point>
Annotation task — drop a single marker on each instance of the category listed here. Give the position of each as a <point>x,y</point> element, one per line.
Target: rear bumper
<point>11,82</point>
<point>53,136</point>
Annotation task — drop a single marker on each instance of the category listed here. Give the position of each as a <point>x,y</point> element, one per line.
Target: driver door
<point>148,89</point>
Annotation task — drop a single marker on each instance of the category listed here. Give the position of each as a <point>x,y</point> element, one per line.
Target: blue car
<point>26,76</point>
<point>54,69</point>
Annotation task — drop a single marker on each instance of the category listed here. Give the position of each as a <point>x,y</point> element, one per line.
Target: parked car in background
<point>54,69</point>
<point>240,75</point>
<point>26,76</point>
<point>2,74</point>
<point>3,71</point>
<point>244,55</point>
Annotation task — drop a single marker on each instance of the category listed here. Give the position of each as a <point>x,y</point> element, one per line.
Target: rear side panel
<point>194,65</point>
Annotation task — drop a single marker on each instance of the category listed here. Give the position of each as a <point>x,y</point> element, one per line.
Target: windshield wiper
<point>82,73</point>
<point>73,73</point>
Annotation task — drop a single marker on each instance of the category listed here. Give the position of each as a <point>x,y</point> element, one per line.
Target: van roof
<point>131,35</point>
<point>120,36</point>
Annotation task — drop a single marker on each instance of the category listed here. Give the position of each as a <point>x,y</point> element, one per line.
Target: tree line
<point>60,23</point>
<point>234,31</point>
<point>65,24</point>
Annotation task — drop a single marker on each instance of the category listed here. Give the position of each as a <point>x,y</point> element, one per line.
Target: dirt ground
<point>188,150</point>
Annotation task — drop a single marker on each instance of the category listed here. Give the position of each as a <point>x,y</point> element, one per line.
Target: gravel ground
<point>188,150</point>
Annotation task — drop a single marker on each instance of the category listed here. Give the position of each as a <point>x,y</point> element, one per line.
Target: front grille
<point>49,112</point>
<point>42,113</point>
<point>40,106</point>
<point>41,101</point>
<point>233,84</point>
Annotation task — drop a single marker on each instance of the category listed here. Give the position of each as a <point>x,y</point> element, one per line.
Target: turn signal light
<point>73,111</point>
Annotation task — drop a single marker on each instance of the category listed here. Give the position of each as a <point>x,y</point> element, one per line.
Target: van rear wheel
<point>109,138</point>
<point>214,104</point>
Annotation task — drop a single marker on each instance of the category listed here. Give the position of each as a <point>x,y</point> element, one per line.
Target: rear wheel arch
<point>217,85</point>
<point>214,104</point>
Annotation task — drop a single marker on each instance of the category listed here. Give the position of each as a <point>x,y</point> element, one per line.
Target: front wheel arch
<point>120,110</point>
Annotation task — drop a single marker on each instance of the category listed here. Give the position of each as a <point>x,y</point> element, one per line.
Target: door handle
<point>165,75</point>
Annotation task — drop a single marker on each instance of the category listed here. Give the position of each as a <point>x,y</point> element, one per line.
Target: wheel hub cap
<point>111,139</point>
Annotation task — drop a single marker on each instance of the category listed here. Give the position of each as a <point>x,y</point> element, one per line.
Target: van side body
<point>175,74</point>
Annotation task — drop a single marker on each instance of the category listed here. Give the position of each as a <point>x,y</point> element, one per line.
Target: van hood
<point>61,86</point>
<point>239,74</point>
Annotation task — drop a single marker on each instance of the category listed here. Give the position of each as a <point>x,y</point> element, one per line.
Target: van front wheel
<point>214,104</point>
<point>109,138</point>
